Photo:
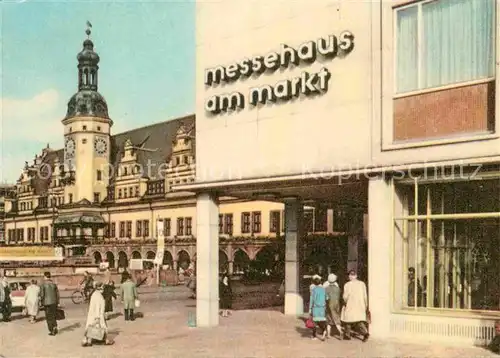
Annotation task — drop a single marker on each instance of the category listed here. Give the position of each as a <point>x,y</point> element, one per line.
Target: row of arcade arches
<point>241,259</point>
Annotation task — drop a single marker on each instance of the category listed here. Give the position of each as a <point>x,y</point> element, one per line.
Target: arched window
<point>86,77</point>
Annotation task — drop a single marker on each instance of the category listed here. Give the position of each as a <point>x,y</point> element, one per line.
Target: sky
<point>146,72</point>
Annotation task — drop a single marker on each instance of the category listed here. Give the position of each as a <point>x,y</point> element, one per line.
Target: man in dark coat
<point>7,302</point>
<point>49,297</point>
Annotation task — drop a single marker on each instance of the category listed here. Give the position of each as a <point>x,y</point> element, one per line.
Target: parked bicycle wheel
<point>77,297</point>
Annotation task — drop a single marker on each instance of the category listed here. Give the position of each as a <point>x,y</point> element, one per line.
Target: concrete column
<point>207,260</point>
<point>294,212</point>
<point>352,252</point>
<point>329,221</point>
<point>379,246</point>
<point>230,268</point>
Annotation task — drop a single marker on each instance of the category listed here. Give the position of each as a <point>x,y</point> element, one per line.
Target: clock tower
<point>87,129</point>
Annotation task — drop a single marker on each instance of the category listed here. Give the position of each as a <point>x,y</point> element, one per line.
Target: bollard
<point>191,319</point>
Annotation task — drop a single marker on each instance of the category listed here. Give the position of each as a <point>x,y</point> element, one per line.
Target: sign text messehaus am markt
<point>307,84</point>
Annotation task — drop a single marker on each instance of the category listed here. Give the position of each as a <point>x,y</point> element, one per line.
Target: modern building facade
<point>101,196</point>
<point>389,106</point>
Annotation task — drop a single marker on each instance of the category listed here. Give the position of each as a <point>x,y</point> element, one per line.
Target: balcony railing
<point>83,240</point>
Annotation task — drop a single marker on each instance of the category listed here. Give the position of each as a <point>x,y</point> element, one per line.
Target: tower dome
<point>87,54</point>
<point>87,101</point>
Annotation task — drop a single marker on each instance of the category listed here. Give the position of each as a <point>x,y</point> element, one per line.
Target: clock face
<point>70,147</point>
<point>100,146</point>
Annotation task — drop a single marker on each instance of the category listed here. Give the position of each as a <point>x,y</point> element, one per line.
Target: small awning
<point>79,219</point>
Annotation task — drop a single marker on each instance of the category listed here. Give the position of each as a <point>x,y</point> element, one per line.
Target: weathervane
<point>89,26</point>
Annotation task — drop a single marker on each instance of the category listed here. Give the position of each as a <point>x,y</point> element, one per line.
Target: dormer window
<point>186,160</point>
<point>186,141</point>
<point>177,161</point>
<point>125,171</point>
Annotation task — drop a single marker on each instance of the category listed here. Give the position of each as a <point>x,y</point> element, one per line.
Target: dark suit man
<point>49,297</point>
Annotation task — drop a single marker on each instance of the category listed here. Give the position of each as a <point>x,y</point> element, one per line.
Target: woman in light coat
<point>356,306</point>
<point>32,300</point>
<point>96,316</point>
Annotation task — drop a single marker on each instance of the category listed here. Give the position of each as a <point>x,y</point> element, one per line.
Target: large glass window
<point>443,42</point>
<point>447,245</point>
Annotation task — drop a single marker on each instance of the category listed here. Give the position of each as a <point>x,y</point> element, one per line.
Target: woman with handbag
<point>317,307</point>
<point>96,329</point>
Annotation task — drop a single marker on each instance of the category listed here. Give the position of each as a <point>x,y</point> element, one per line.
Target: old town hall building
<point>99,198</point>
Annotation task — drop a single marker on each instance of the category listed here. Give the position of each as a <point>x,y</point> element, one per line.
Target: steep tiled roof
<point>158,136</point>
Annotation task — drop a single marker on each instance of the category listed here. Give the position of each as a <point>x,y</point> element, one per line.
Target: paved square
<point>164,332</point>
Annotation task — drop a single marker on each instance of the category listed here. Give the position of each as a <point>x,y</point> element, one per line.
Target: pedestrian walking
<point>96,328</point>
<point>7,302</point>
<point>129,297</point>
<point>109,294</point>
<point>226,295</point>
<point>315,278</point>
<point>356,306</point>
<point>125,275</point>
<point>49,296</point>
<point>32,300</point>
<point>333,305</point>
<point>317,308</point>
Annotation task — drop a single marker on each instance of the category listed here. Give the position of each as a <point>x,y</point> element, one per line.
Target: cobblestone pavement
<point>163,332</point>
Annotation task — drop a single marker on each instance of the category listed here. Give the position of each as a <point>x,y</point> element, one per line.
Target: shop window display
<point>447,247</point>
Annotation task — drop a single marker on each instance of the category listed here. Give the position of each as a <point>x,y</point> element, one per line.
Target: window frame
<point>275,227</point>
<point>167,227</point>
<point>180,226</point>
<point>188,225</point>
<point>419,4</point>
<point>138,228</point>
<point>145,228</point>
<point>129,229</point>
<point>256,222</point>
<point>121,229</point>
<point>228,224</point>
<point>221,224</point>
<point>408,217</point>
<point>246,222</point>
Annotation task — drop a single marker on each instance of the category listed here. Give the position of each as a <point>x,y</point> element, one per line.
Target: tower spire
<point>87,101</point>
<point>88,31</point>
<point>87,64</point>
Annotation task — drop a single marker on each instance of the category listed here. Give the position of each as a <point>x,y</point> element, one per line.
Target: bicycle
<point>79,296</point>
